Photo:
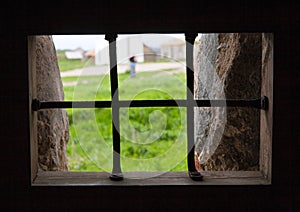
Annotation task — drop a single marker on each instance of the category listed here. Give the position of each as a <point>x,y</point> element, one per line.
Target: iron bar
<point>190,39</point>
<point>261,103</point>
<point>116,172</point>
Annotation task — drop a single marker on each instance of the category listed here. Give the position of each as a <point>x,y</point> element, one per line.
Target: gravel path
<point>98,70</point>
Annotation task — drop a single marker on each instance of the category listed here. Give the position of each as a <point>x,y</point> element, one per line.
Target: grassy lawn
<point>152,139</point>
<point>66,65</point>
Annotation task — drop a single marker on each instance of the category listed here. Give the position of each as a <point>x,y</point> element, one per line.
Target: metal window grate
<point>116,104</point>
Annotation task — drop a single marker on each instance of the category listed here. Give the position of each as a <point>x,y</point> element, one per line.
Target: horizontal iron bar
<point>256,103</point>
<point>153,103</point>
<point>38,105</point>
<point>261,103</point>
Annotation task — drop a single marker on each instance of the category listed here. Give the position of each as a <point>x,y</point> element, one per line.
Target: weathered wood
<point>32,114</point>
<point>169,178</point>
<point>266,116</point>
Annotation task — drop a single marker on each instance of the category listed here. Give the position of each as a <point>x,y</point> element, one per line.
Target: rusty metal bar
<point>260,103</point>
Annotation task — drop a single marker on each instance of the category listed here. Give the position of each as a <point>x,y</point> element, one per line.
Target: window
<point>263,176</point>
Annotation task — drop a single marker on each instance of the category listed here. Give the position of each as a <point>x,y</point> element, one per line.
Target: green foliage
<point>152,139</point>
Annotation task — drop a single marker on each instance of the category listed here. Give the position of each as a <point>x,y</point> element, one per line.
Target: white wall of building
<point>127,46</point>
<point>174,49</point>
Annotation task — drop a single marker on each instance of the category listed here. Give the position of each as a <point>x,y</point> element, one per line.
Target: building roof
<point>154,50</point>
<point>174,42</point>
<point>71,55</point>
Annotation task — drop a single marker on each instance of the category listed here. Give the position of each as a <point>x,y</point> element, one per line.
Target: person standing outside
<point>133,62</point>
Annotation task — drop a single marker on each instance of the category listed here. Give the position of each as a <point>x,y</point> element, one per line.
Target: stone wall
<point>52,125</point>
<point>228,66</point>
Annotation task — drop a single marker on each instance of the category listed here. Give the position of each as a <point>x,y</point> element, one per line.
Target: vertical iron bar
<point>116,172</point>
<point>190,39</point>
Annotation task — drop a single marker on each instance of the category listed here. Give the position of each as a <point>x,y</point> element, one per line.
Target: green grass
<point>66,65</point>
<point>152,139</point>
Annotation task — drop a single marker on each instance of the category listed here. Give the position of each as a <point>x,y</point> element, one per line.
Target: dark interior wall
<point>19,19</point>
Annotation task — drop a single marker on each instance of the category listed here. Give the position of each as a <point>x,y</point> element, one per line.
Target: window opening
<point>116,105</point>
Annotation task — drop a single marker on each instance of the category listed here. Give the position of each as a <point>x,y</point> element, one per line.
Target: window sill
<point>49,178</point>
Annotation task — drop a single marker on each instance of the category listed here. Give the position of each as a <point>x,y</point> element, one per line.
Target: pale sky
<point>88,42</point>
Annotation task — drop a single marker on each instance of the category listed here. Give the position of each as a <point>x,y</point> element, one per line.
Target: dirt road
<point>98,70</point>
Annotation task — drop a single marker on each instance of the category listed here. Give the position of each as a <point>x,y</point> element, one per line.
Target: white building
<point>174,49</point>
<point>75,54</point>
<point>127,46</point>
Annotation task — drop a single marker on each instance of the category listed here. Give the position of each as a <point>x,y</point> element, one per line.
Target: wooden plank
<point>266,116</point>
<point>32,114</point>
<point>170,178</point>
